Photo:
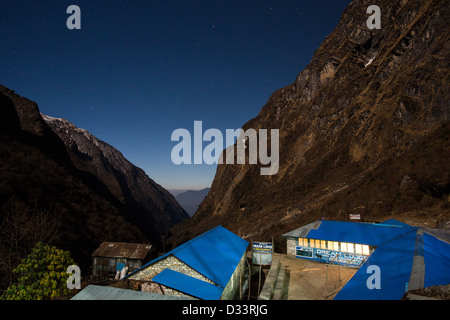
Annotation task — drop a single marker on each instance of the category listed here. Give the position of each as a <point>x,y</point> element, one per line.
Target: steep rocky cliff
<point>363,129</point>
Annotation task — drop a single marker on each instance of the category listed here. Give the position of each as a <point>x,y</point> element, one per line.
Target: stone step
<point>275,283</point>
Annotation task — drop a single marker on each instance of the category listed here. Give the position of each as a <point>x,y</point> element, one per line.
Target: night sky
<point>138,70</point>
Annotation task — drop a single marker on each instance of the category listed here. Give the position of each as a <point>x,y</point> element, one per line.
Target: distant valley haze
<point>189,200</point>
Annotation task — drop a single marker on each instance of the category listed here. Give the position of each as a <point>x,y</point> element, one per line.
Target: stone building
<point>209,267</point>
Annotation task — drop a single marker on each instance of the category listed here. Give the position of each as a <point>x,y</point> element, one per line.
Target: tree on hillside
<point>41,275</point>
<point>22,227</point>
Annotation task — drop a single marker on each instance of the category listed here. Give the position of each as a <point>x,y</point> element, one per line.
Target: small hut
<point>111,258</point>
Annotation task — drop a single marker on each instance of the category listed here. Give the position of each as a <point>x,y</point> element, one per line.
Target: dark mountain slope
<point>367,99</point>
<point>153,206</point>
<point>45,197</point>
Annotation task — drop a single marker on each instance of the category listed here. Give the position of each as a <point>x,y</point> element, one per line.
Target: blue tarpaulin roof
<point>395,260</point>
<point>189,285</point>
<point>355,232</point>
<point>393,222</point>
<point>401,260</point>
<point>437,261</point>
<point>214,254</point>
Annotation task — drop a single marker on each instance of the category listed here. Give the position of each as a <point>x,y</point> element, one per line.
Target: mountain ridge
<point>126,181</point>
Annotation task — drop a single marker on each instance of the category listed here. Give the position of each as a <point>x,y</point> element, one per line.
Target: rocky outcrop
<point>354,122</point>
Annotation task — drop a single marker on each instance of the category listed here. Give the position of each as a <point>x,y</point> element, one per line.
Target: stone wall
<point>290,246</point>
<point>145,276</point>
<point>170,262</point>
<point>232,290</point>
<point>154,287</point>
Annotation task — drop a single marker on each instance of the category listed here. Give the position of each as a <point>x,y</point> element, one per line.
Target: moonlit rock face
<point>366,98</point>
<point>125,181</point>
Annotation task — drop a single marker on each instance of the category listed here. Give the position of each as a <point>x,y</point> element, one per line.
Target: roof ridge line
<point>174,251</point>
<point>415,229</point>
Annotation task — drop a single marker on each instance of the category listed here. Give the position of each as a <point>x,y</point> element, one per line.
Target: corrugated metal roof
<point>189,285</point>
<point>122,250</point>
<point>215,254</point>
<point>93,292</point>
<point>302,232</point>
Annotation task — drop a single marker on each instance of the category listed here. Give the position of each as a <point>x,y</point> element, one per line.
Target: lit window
<point>366,250</point>
<point>323,244</point>
<point>336,246</point>
<point>350,248</point>
<point>330,245</point>
<point>343,246</point>
<point>358,249</point>
<point>303,242</point>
